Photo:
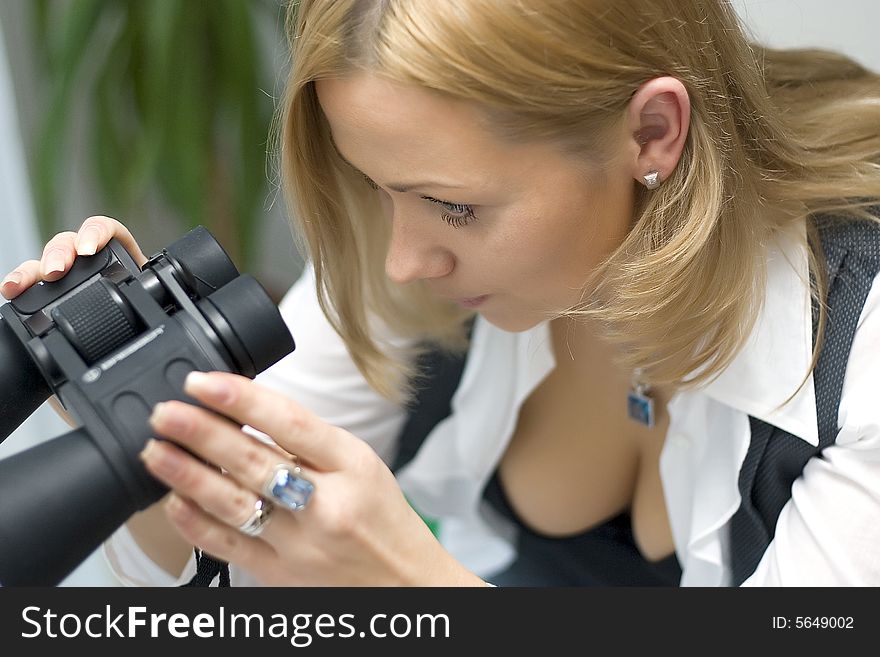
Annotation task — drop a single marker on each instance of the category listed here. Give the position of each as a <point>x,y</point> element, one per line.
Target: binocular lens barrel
<point>60,500</point>
<point>24,389</point>
<point>205,264</point>
<point>255,345</point>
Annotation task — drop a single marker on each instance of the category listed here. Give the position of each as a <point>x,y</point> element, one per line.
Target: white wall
<point>849,26</point>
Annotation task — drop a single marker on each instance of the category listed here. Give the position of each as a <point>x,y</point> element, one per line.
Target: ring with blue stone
<point>287,488</point>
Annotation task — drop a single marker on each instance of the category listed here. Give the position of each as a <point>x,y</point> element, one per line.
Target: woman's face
<point>511,229</point>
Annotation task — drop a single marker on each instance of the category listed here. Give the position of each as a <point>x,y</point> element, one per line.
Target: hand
<point>58,256</point>
<point>60,251</point>
<point>356,530</point>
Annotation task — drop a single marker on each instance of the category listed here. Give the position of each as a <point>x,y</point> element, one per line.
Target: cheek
<point>549,251</point>
<point>555,239</point>
<point>589,230</point>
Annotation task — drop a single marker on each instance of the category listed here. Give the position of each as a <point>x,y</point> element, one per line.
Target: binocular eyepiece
<point>111,340</point>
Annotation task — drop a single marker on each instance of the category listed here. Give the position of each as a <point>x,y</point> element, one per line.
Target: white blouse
<point>827,534</point>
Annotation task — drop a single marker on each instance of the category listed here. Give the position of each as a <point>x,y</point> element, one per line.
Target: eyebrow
<point>398,187</point>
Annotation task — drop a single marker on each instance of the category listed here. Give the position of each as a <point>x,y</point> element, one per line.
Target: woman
<point>613,205</point>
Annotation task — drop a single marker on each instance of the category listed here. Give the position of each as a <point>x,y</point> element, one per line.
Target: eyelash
<point>458,214</point>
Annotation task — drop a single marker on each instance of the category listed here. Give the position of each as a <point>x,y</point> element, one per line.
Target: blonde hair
<point>775,138</point>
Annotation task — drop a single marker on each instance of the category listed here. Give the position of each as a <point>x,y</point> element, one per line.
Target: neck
<point>578,344</point>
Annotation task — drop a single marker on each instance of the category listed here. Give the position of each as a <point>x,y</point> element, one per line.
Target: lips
<point>472,302</point>
<point>467,302</point>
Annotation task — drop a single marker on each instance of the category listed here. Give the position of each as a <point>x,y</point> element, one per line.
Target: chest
<point>576,459</point>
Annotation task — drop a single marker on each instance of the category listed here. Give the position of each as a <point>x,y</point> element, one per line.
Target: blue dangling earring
<point>639,403</point>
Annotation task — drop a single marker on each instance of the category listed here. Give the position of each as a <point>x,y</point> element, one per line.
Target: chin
<point>514,323</point>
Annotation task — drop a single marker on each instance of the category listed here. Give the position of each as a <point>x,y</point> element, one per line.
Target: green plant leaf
<point>176,107</point>
<point>65,58</point>
<point>242,92</point>
<point>110,149</point>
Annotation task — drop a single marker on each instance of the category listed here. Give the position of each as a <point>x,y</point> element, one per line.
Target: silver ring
<point>287,488</point>
<point>254,525</point>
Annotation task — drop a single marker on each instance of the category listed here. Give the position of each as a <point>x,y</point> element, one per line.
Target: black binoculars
<point>110,340</point>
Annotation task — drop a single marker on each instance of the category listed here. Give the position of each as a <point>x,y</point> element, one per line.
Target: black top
<point>604,555</point>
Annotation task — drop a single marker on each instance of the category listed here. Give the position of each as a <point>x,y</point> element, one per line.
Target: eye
<point>455,214</point>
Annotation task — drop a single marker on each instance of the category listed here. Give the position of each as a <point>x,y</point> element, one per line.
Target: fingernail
<point>55,262</point>
<point>205,385</point>
<point>87,241</point>
<point>13,277</point>
<point>155,416</point>
<point>166,418</point>
<point>148,450</point>
<point>161,461</point>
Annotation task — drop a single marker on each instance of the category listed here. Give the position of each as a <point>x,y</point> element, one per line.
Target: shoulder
<point>844,237</point>
<point>852,252</point>
<point>859,415</point>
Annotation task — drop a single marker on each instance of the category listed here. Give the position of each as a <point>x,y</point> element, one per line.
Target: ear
<point>658,118</point>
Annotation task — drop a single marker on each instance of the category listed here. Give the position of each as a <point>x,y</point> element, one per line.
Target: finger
<point>294,428</point>
<point>61,250</point>
<point>217,538</point>
<point>98,230</point>
<point>220,496</point>
<point>58,256</point>
<point>219,441</point>
<point>62,412</point>
<point>20,279</point>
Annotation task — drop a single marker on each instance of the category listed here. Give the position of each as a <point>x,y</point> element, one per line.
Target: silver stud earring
<point>652,179</point>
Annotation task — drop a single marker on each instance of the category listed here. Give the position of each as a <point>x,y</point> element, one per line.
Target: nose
<point>414,255</point>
